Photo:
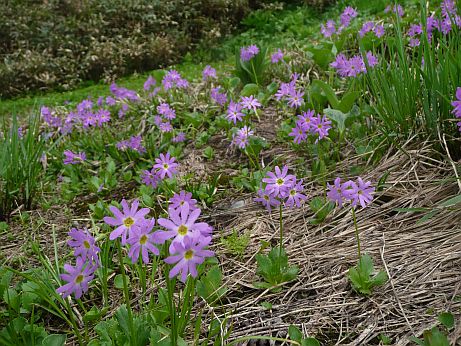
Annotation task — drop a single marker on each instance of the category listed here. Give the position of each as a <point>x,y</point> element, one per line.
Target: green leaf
<point>452,201</point>
<point>294,333</point>
<point>249,89</point>
<point>310,342</point>
<point>118,281</point>
<point>338,117</point>
<point>209,287</point>
<point>329,92</point>
<point>348,101</point>
<point>366,265</point>
<point>447,320</point>
<point>380,278</point>
<point>54,340</point>
<point>266,305</point>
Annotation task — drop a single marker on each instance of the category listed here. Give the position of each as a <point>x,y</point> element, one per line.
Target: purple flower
<point>372,60</point>
<point>414,42</point>
<point>84,244</point>
<point>234,112</point>
<point>165,126</point>
<point>448,8</point>
<point>341,64</point>
<point>277,56</point>
<point>77,278</point>
<point>173,79</point>
<point>295,99</point>
<point>73,159</point>
<point>187,256</point>
<point>415,29</point>
<point>150,177</point>
<point>379,30</point>
<point>165,110</point>
<point>240,139</point>
<point>359,193</point>
<point>328,29</point>
<point>178,200</point>
<point>457,106</point>
<point>124,93</point>
<point>250,103</point>
<point>279,183</point>
<point>397,9</point>
<point>209,73</point>
<point>180,137</point>
<point>335,193</point>
<point>110,101</point>
<point>166,165</point>
<point>285,90</point>
<point>247,53</point>
<point>298,133</point>
<point>102,116</point>
<point>346,17</point>
<point>142,241</point>
<point>219,98</point>
<point>149,83</point>
<point>133,143</point>
<point>266,197</point>
<point>181,224</point>
<point>126,221</point>
<point>321,125</point>
<point>295,197</point>
<point>366,27</point>
<point>306,120</point>
<point>356,66</point>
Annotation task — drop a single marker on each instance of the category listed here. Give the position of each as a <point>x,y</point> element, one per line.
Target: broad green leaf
<point>294,333</point>
<point>366,265</point>
<point>249,89</point>
<point>54,340</point>
<point>310,342</point>
<point>329,92</point>
<point>118,281</point>
<point>348,100</point>
<point>447,320</point>
<point>452,201</point>
<point>338,117</point>
<point>380,278</point>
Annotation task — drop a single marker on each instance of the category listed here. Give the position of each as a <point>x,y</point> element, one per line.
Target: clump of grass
<point>20,165</point>
<point>236,243</point>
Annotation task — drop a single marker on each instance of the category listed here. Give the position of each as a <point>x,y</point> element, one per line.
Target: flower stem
<point>254,72</point>
<point>281,229</point>
<point>126,293</point>
<point>356,233</point>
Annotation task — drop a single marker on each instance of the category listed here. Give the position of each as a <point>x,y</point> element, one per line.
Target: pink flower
<point>166,165</point>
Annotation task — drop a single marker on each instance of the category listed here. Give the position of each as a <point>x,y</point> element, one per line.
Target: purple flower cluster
<point>354,66</point>
<point>309,123</point>
<point>86,252</point>
<point>378,29</point>
<point>209,73</point>
<point>356,193</point>
<point>218,97</point>
<point>247,53</point>
<point>72,159</point>
<point>133,143</point>
<point>179,138</point>
<point>235,110</point>
<point>165,114</point>
<point>174,80</point>
<point>457,106</point>
<point>188,237</point>
<point>149,83</point>
<point>165,166</point>
<point>277,56</point>
<point>241,137</point>
<point>329,29</point>
<point>281,188</point>
<point>124,93</point>
<point>288,92</point>
<point>397,9</point>
<point>413,33</point>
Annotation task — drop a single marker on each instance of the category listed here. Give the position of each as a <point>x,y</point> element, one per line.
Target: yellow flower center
<point>79,279</point>
<point>86,244</point>
<point>293,192</point>
<point>143,239</point>
<point>128,222</point>
<point>182,230</point>
<point>189,254</point>
<point>279,181</point>
<point>165,166</point>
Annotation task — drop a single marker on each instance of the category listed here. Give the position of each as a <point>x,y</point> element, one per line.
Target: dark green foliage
<point>361,276</point>
<point>50,44</point>
<point>274,268</point>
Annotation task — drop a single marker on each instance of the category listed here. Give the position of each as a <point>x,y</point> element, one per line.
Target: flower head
<point>84,244</point>
<point>209,73</point>
<point>187,255</point>
<point>126,221</point>
<point>182,198</point>
<point>280,182</point>
<point>73,159</point>
<point>234,112</point>
<point>181,224</point>
<point>250,102</point>
<point>277,56</point>
<point>77,278</point>
<point>142,241</point>
<point>294,196</point>
<point>166,165</point>
<point>266,197</point>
